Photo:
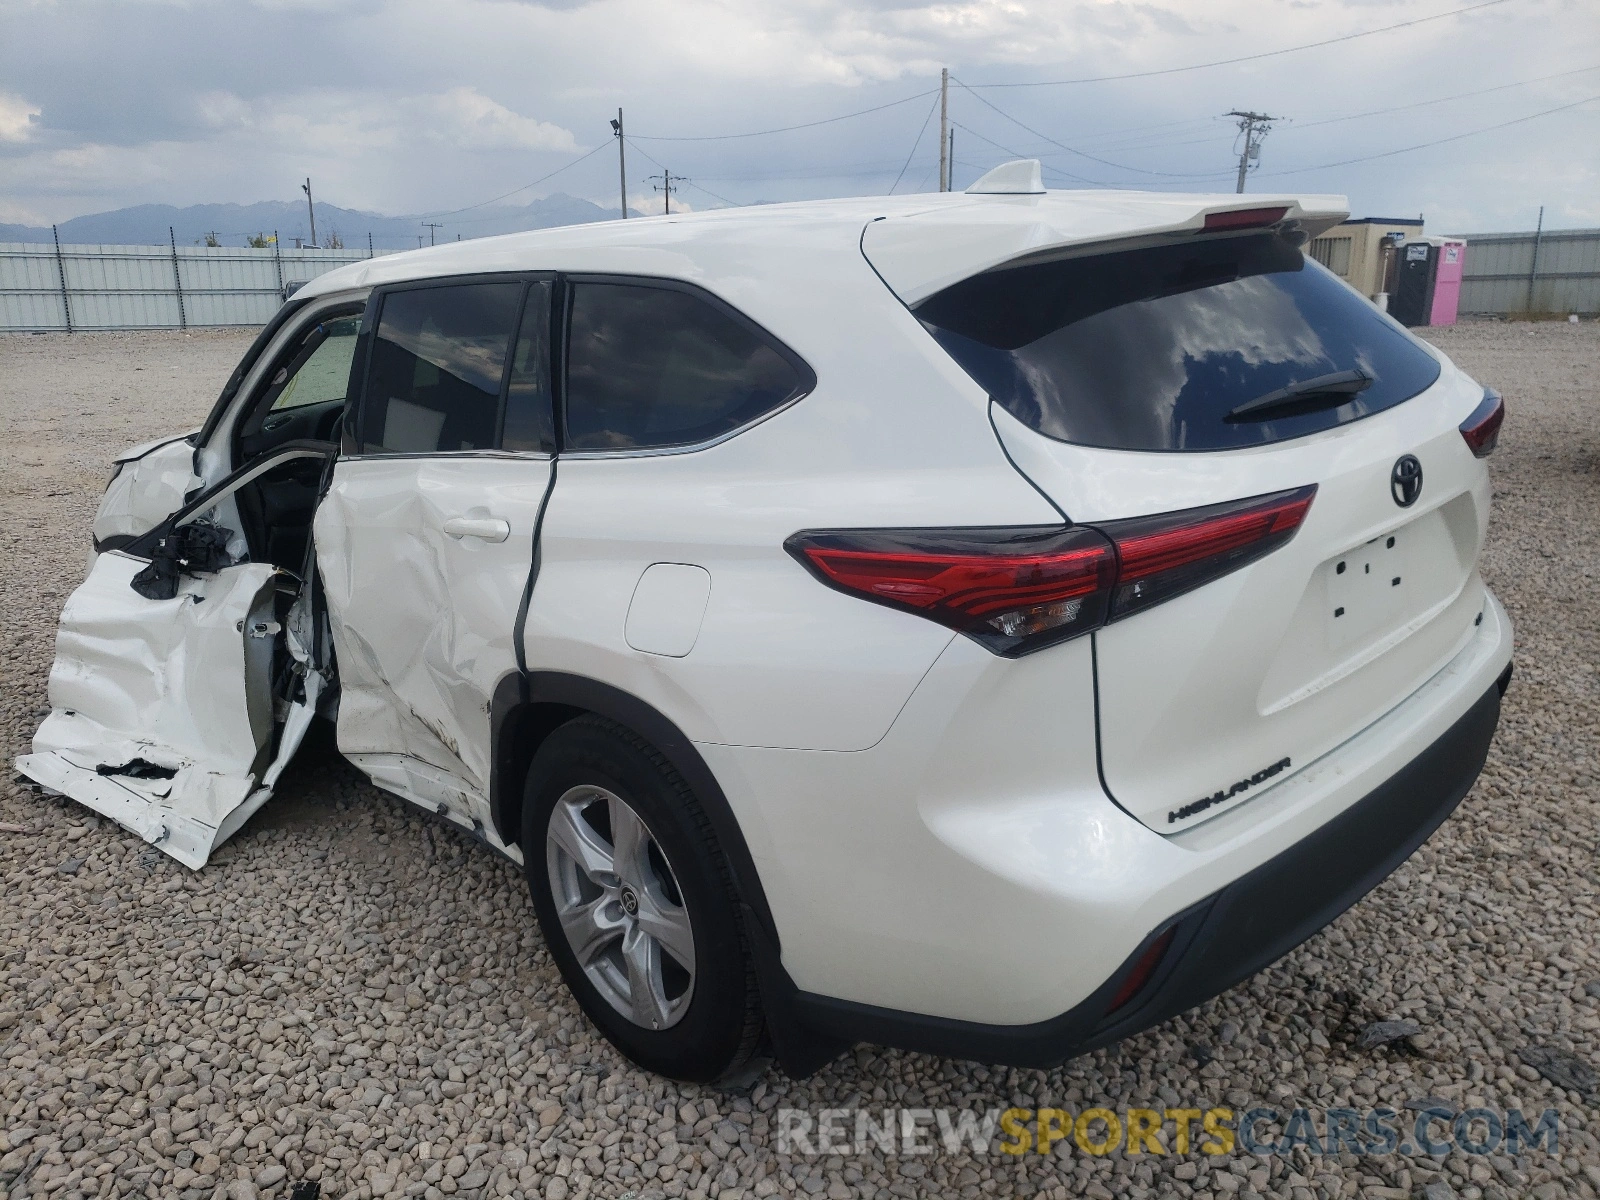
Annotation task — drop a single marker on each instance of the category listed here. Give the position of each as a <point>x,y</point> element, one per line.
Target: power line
<point>677,179</point>
<point>1019,154</point>
<point>1243,58</point>
<point>1105,162</point>
<point>506,195</point>
<point>724,137</point>
<point>914,146</point>
<point>1378,112</point>
<point>1290,124</point>
<point>1439,141</point>
<point>699,187</point>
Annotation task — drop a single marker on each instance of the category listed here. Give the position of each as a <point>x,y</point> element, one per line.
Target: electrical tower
<point>668,185</point>
<point>1255,127</point>
<point>431,226</point>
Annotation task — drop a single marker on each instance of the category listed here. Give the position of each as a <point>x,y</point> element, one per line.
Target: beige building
<point>1354,251</point>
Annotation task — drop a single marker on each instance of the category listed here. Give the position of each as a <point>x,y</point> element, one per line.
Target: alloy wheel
<point>620,906</point>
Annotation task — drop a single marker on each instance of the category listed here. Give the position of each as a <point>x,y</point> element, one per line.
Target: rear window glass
<point>1209,345</point>
<point>651,366</point>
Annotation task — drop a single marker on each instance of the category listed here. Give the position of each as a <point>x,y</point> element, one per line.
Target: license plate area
<point>1369,589</point>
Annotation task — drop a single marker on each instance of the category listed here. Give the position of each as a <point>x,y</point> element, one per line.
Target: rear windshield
<point>1209,345</point>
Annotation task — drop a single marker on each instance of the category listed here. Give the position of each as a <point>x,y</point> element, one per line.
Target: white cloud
<point>16,117</point>
<point>341,122</point>
<point>467,118</point>
<point>393,108</point>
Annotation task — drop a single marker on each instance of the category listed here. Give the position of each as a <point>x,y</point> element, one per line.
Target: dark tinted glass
<point>530,418</point>
<point>438,357</point>
<point>649,366</point>
<point>1155,349</point>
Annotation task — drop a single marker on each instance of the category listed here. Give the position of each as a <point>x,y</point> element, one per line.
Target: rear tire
<point>637,902</point>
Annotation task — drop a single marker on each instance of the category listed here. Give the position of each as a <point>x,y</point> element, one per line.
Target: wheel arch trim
<point>527,706</point>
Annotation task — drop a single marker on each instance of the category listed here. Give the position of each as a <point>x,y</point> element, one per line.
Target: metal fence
<point>1538,272</point>
<point>66,288</point>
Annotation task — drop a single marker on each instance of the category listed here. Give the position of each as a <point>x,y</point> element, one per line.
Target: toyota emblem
<point>1405,481</point>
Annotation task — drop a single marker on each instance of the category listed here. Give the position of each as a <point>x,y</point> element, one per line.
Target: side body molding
<point>527,707</point>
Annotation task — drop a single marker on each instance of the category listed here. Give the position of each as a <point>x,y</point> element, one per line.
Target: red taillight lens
<point>1164,556</point>
<point>1011,589</point>
<point>1244,218</point>
<point>1482,428</point>
<point>1018,590</point>
<point>1134,983</point>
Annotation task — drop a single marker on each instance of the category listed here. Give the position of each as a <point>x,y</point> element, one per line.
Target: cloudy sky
<point>411,106</point>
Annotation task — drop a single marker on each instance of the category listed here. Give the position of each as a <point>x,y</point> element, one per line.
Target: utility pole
<point>310,210</point>
<point>1255,127</point>
<point>944,129</point>
<point>622,162</point>
<point>430,226</point>
<point>950,175</point>
<point>669,184</point>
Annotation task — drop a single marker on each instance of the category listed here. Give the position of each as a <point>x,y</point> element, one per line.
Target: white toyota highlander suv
<point>986,623</point>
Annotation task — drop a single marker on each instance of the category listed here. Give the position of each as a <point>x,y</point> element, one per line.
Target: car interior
<point>304,401</point>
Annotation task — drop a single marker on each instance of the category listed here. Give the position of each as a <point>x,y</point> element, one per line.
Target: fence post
<point>61,271</point>
<point>1533,267</point>
<point>277,259</point>
<point>177,280</point>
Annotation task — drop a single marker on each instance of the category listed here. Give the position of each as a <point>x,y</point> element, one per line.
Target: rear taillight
<point>1164,556</point>
<point>1482,428</point>
<point>1019,590</point>
<point>1011,589</point>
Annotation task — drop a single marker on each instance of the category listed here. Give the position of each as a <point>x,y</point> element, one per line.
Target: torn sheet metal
<point>150,484</point>
<point>162,714</point>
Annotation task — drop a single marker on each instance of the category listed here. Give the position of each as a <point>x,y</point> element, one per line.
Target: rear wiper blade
<point>1325,391</point>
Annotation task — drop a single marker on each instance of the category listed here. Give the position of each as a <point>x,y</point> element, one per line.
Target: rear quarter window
<point>1214,344</point>
<point>651,365</point>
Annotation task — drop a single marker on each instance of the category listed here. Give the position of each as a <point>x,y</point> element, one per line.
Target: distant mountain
<point>147,224</point>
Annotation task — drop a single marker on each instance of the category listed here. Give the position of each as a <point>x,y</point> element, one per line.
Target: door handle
<point>274,422</point>
<point>490,529</point>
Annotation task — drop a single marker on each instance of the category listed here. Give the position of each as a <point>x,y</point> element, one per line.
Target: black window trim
<point>808,377</point>
<point>360,367</point>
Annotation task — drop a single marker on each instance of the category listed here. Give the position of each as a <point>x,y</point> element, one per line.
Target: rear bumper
<point>1228,936</point>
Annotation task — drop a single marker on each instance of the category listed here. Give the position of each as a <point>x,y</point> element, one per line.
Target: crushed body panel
<point>161,710</point>
<point>151,482</point>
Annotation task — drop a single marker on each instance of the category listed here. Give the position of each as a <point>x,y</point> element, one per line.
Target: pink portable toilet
<point>1447,280</point>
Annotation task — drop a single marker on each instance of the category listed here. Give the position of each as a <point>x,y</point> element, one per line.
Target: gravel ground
<point>350,993</point>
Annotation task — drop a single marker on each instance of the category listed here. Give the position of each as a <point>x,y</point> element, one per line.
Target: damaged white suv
<point>986,623</point>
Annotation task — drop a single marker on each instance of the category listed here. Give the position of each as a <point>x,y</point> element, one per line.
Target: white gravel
<point>350,993</point>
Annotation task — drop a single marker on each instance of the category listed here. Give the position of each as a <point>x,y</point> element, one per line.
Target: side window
<point>652,366</point>
<point>530,414</point>
<point>322,376</point>
<point>437,362</point>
